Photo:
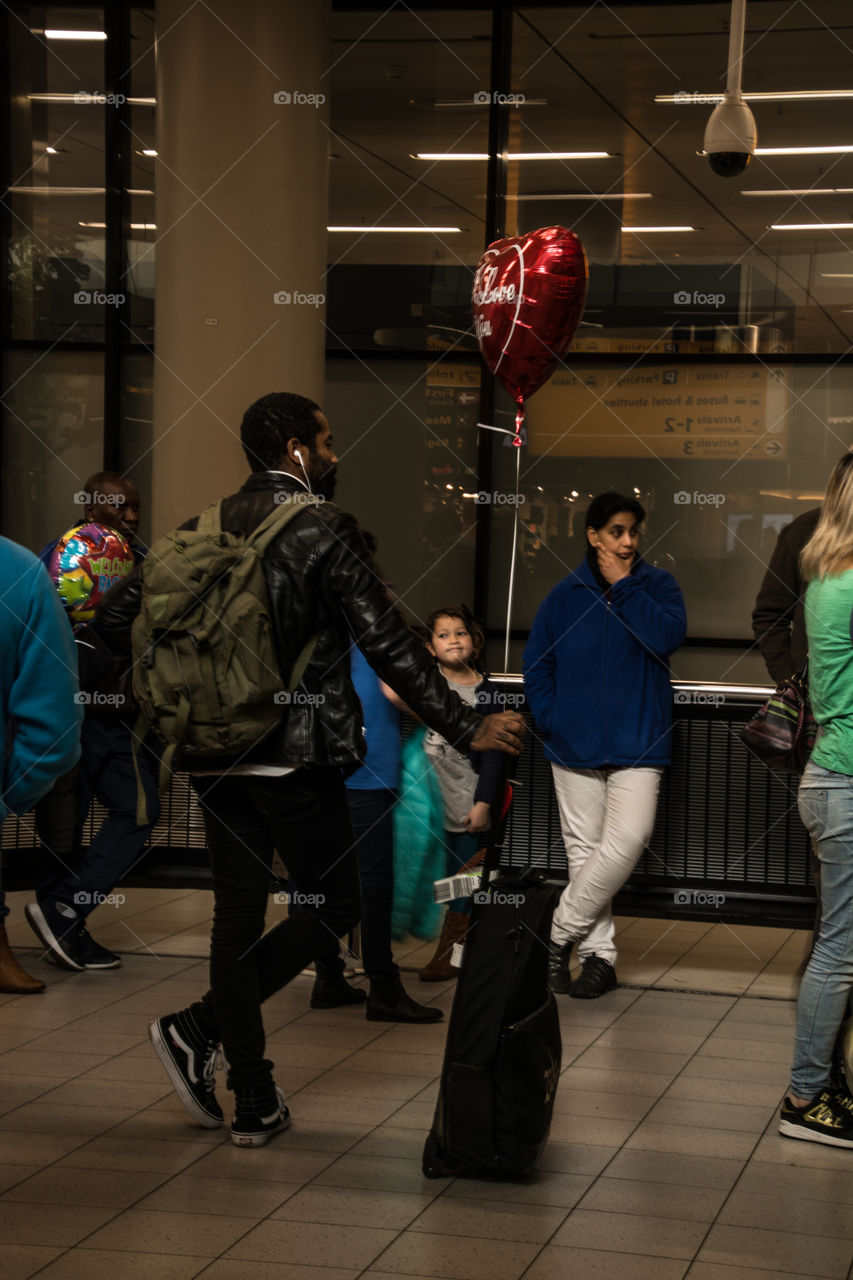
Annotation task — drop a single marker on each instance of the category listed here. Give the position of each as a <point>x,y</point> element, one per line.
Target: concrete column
<point>242,193</point>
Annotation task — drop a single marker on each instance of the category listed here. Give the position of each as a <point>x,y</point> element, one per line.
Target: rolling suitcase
<point>503,1052</point>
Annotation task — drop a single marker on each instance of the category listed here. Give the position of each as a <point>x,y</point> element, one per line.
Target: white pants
<point>607,817</point>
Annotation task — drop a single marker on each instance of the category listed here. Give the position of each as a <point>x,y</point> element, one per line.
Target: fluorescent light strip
<point>57,191</point>
<point>512,155</point>
<point>646,230</point>
<point>450,155</point>
<point>396,230</point>
<point>134,226</point>
<point>803,191</point>
<point>444,103</point>
<point>55,34</point>
<point>82,99</point>
<point>804,151</point>
<point>791,95</point>
<point>836,275</point>
<point>812,226</point>
<point>593,195</point>
<point>73,191</point>
<point>558,155</point>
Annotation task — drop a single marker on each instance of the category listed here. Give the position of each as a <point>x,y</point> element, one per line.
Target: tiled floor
<point>663,1160</point>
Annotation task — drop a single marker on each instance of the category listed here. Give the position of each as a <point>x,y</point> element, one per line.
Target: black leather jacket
<point>321,582</point>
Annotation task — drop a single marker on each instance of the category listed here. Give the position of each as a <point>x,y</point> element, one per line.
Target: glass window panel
<point>52,440</point>
<point>56,200</point>
<point>733,283</point>
<point>406,440</point>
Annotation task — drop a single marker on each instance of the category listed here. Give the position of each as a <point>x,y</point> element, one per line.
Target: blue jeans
<point>461,847</point>
<point>826,808</point>
<point>106,771</point>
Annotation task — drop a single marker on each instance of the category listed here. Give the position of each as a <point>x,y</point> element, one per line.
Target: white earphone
<point>298,455</point>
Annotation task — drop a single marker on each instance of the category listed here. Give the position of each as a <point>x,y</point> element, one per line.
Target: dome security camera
<point>730,137</point>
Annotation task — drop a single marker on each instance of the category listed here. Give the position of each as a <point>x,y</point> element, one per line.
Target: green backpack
<point>206,673</point>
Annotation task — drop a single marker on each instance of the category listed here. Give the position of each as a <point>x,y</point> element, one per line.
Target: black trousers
<point>371,814</point>
<point>304,815</point>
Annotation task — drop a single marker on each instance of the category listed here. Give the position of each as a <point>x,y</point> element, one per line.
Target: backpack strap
<point>210,520</point>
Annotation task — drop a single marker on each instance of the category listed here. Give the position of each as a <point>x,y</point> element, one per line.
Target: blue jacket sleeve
<point>43,715</point>
<point>652,610</point>
<point>539,667</point>
<point>488,764</point>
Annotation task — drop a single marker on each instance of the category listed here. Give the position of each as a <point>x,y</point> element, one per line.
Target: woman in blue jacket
<point>596,674</point>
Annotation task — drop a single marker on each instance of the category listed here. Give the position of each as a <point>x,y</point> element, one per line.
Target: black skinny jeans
<point>304,815</point>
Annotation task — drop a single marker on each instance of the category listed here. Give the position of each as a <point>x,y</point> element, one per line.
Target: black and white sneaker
<point>190,1063</point>
<point>93,955</point>
<point>257,1116</point>
<point>56,925</point>
<point>828,1118</point>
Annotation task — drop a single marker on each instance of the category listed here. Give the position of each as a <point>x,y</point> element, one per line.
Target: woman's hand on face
<point>613,568</point>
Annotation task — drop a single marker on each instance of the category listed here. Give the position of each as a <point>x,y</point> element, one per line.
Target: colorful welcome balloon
<point>86,562</point>
<point>529,294</point>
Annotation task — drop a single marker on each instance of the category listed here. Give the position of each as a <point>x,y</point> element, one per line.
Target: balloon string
<point>505,430</point>
<point>519,419</point>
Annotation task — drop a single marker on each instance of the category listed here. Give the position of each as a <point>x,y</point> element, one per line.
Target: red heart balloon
<point>528,298</point>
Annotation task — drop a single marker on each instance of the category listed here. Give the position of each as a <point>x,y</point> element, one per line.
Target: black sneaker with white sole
<point>258,1114</point>
<point>57,925</point>
<point>828,1118</point>
<point>190,1063</point>
<point>93,955</point>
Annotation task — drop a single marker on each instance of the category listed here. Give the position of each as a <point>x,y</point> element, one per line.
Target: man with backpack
<point>284,788</point>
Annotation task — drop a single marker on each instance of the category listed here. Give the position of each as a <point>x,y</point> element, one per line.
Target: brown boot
<point>13,980</point>
<point>452,931</point>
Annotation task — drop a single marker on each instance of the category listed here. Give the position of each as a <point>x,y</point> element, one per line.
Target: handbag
<point>782,733</point>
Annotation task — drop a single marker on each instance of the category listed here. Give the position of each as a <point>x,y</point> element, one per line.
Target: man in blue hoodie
<point>40,716</point>
<point>596,674</point>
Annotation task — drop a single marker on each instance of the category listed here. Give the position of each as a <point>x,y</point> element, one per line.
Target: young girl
<point>468,780</point>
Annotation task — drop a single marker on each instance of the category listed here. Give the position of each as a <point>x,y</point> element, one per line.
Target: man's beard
<point>325,485</point>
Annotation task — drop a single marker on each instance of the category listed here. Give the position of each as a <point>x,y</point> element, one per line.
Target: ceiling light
<point>591,195</point>
<point>395,230</point>
<point>804,151</point>
<point>803,191</point>
<point>54,34</point>
<point>636,230</point>
<point>512,155</point>
<point>685,99</point>
<point>134,226</point>
<point>812,226</point>
<point>51,151</point>
<point>86,99</point>
<point>557,155</point>
<point>57,191</point>
<point>455,103</point>
<point>836,275</point>
<point>450,155</point>
<point>148,151</point>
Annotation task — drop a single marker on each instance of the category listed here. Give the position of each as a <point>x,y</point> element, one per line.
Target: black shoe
<point>331,993</point>
<point>597,976</point>
<point>390,1002</point>
<point>559,978</point>
<point>57,925</point>
<point>258,1114</point>
<point>827,1118</point>
<point>190,1063</point>
<point>93,955</point>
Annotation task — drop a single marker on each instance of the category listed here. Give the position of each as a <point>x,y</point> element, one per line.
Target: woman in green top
<point>814,1108</point>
